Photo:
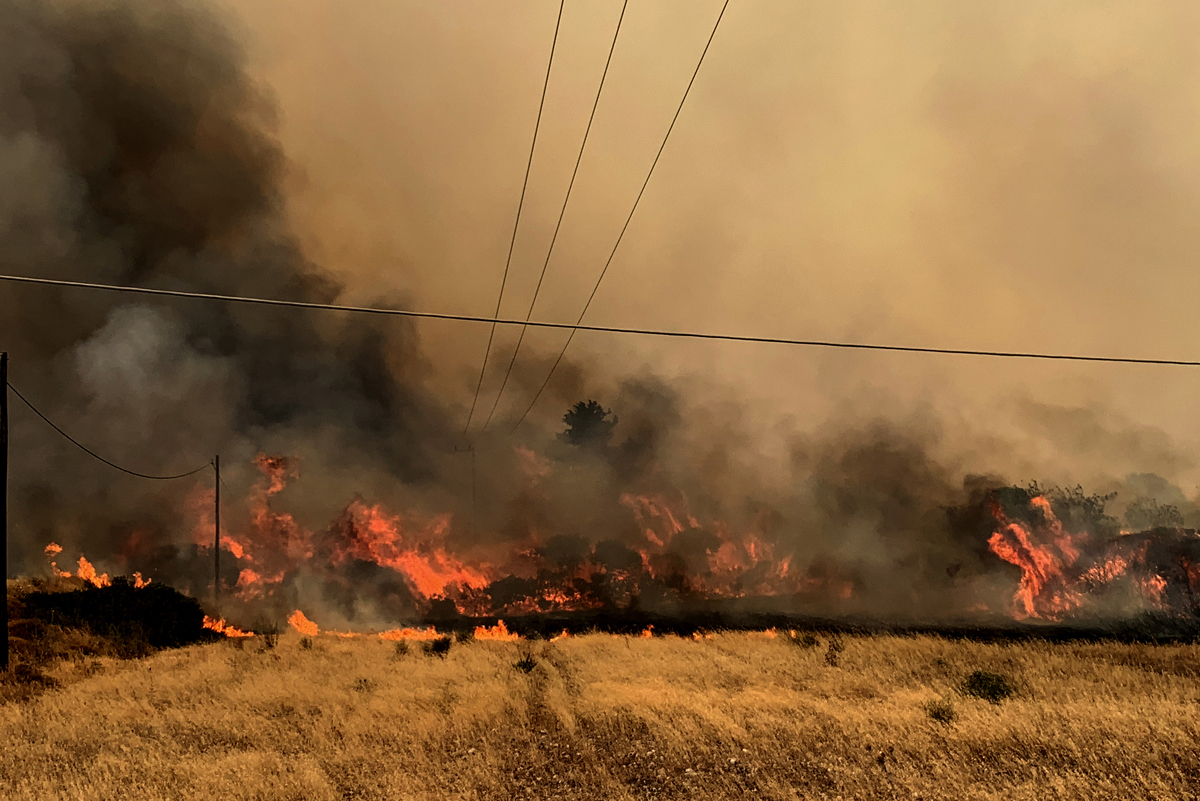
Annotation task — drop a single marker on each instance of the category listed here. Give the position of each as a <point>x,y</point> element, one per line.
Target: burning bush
<point>137,620</point>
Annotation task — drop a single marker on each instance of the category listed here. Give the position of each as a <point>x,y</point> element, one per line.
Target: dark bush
<point>464,636</point>
<point>402,648</point>
<point>306,643</point>
<point>526,663</point>
<point>941,711</point>
<point>804,639</point>
<point>835,648</point>
<point>438,647</point>
<point>991,687</point>
<point>137,619</point>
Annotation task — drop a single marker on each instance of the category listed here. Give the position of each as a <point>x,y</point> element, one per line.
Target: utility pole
<point>217,536</point>
<point>4,502</point>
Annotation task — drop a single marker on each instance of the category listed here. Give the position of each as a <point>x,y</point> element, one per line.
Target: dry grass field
<point>739,715</point>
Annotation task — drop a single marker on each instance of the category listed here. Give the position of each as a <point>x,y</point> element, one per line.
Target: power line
<point>621,236</point>
<point>608,329</point>
<point>537,290</point>
<point>92,453</point>
<point>520,204</point>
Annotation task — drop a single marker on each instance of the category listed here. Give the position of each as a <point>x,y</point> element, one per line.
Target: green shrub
<point>991,687</point>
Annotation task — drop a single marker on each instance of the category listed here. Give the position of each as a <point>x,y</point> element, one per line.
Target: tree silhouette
<point>588,425</point>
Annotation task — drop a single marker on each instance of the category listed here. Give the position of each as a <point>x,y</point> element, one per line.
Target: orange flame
<point>410,634</point>
<point>88,573</point>
<point>497,632</point>
<point>370,534</point>
<point>1042,591</point>
<point>222,627</point>
<point>302,624</point>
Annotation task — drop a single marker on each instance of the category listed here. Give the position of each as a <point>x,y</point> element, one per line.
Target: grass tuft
<point>942,711</point>
<point>834,650</point>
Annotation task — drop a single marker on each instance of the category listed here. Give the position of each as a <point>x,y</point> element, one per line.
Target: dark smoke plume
<point>136,149</point>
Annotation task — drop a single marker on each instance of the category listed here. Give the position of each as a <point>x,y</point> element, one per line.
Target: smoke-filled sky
<point>1016,176</point>
<point>949,174</point>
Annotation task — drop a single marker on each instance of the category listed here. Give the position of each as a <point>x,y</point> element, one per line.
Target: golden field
<point>738,715</point>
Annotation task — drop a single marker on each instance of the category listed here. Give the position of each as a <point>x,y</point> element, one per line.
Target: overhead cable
<point>528,315</point>
<point>609,329</point>
<point>625,227</point>
<point>520,205</point>
<point>92,453</point>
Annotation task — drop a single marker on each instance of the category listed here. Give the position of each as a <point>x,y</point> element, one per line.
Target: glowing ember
<point>222,627</point>
<point>647,633</point>
<point>497,632</point>
<point>302,624</point>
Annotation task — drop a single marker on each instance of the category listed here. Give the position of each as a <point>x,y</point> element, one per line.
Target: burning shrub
<point>136,619</point>
<point>991,687</point>
<point>439,646</point>
<point>835,648</point>
<point>941,711</point>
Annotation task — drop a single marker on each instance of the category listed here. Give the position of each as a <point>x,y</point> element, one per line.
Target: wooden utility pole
<point>4,502</point>
<point>217,536</point>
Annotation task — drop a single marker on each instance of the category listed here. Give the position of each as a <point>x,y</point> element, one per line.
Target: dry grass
<point>603,717</point>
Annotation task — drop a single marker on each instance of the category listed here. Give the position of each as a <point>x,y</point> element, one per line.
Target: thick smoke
<point>135,148</point>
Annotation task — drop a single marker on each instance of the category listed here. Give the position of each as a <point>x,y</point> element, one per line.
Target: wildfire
<point>497,632</point>
<point>1063,571</point>
<point>86,571</point>
<point>302,624</point>
<point>370,534</point>
<point>429,633</point>
<point>221,627</point>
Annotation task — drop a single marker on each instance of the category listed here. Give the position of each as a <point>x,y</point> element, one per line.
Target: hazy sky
<point>1017,176</point>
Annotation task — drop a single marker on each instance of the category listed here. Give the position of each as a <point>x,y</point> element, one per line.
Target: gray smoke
<point>136,149</point>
